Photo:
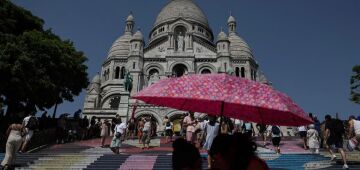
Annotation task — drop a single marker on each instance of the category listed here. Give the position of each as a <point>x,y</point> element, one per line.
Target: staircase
<point>89,156</point>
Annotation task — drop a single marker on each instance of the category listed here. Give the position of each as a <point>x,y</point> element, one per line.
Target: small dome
<point>138,36</point>
<point>238,47</point>
<point>130,18</point>
<point>222,36</point>
<point>231,19</point>
<point>121,47</point>
<point>96,79</point>
<point>186,9</point>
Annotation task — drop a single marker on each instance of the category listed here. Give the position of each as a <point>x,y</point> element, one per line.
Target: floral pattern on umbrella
<point>222,94</point>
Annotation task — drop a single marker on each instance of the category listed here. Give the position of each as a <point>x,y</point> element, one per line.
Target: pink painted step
<point>140,162</point>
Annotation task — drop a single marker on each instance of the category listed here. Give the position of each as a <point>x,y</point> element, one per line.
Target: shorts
<point>249,133</point>
<point>168,132</point>
<point>29,134</point>
<point>276,141</point>
<point>115,142</point>
<point>146,137</point>
<point>303,134</point>
<point>338,143</point>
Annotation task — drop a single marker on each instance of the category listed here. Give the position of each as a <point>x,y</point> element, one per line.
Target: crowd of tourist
<point>222,138</point>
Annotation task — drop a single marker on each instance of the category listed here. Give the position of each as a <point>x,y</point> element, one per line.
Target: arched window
<point>117,72</point>
<point>242,72</point>
<point>122,75</point>
<point>223,46</point>
<point>237,71</point>
<point>255,76</point>
<point>104,75</point>
<point>252,74</point>
<point>107,74</point>
<point>114,102</point>
<point>205,71</point>
<point>179,70</point>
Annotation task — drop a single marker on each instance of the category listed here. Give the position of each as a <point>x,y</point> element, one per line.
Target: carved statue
<point>180,42</point>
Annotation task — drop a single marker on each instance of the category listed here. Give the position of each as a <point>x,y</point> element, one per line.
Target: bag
<point>32,123</point>
<point>339,127</point>
<point>275,130</point>
<point>117,134</point>
<point>352,144</point>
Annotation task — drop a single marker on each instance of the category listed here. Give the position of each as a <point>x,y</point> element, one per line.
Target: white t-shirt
<point>302,129</point>
<point>357,127</point>
<point>26,120</point>
<point>120,128</point>
<point>147,126</point>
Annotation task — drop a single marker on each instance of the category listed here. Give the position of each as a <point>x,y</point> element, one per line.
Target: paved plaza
<point>89,155</point>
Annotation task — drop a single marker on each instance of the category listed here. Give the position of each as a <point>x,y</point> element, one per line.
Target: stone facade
<point>180,42</point>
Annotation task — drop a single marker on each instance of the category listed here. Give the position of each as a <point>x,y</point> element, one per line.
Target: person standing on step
<point>30,123</point>
<point>302,132</point>
<point>140,127</point>
<point>262,132</point>
<point>317,125</point>
<point>131,129</point>
<point>211,130</point>
<point>248,129</point>
<point>104,132</point>
<point>189,122</point>
<point>14,140</point>
<point>276,135</point>
<point>354,132</point>
<point>224,127</point>
<point>313,139</point>
<point>168,130</point>
<point>334,130</point>
<point>119,131</point>
<point>146,136</point>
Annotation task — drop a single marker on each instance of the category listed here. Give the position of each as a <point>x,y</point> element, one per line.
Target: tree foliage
<point>355,85</point>
<point>37,68</point>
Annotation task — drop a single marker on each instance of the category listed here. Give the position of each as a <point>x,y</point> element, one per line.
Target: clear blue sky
<point>306,48</point>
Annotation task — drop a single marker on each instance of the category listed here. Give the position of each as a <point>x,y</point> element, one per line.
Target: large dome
<point>181,9</point>
<point>238,47</point>
<point>121,47</point>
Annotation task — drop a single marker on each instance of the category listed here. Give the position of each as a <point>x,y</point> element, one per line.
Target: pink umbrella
<point>222,94</point>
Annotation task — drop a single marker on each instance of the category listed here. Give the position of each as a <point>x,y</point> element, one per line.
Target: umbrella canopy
<point>222,94</point>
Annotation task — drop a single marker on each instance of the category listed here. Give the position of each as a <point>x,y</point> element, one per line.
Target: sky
<point>305,48</point>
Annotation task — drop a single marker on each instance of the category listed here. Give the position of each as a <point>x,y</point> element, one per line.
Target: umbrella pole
<point>221,116</point>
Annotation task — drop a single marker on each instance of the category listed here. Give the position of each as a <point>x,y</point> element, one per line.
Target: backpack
<point>32,123</point>
<point>275,130</point>
<point>339,127</point>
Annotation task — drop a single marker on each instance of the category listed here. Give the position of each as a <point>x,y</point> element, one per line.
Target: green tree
<point>355,85</point>
<point>37,68</point>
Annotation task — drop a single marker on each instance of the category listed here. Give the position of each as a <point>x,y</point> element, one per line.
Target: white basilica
<point>180,42</point>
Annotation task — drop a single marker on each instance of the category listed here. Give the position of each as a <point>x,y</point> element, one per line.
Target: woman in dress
<point>313,139</point>
<point>14,133</point>
<point>104,132</point>
<point>211,129</point>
